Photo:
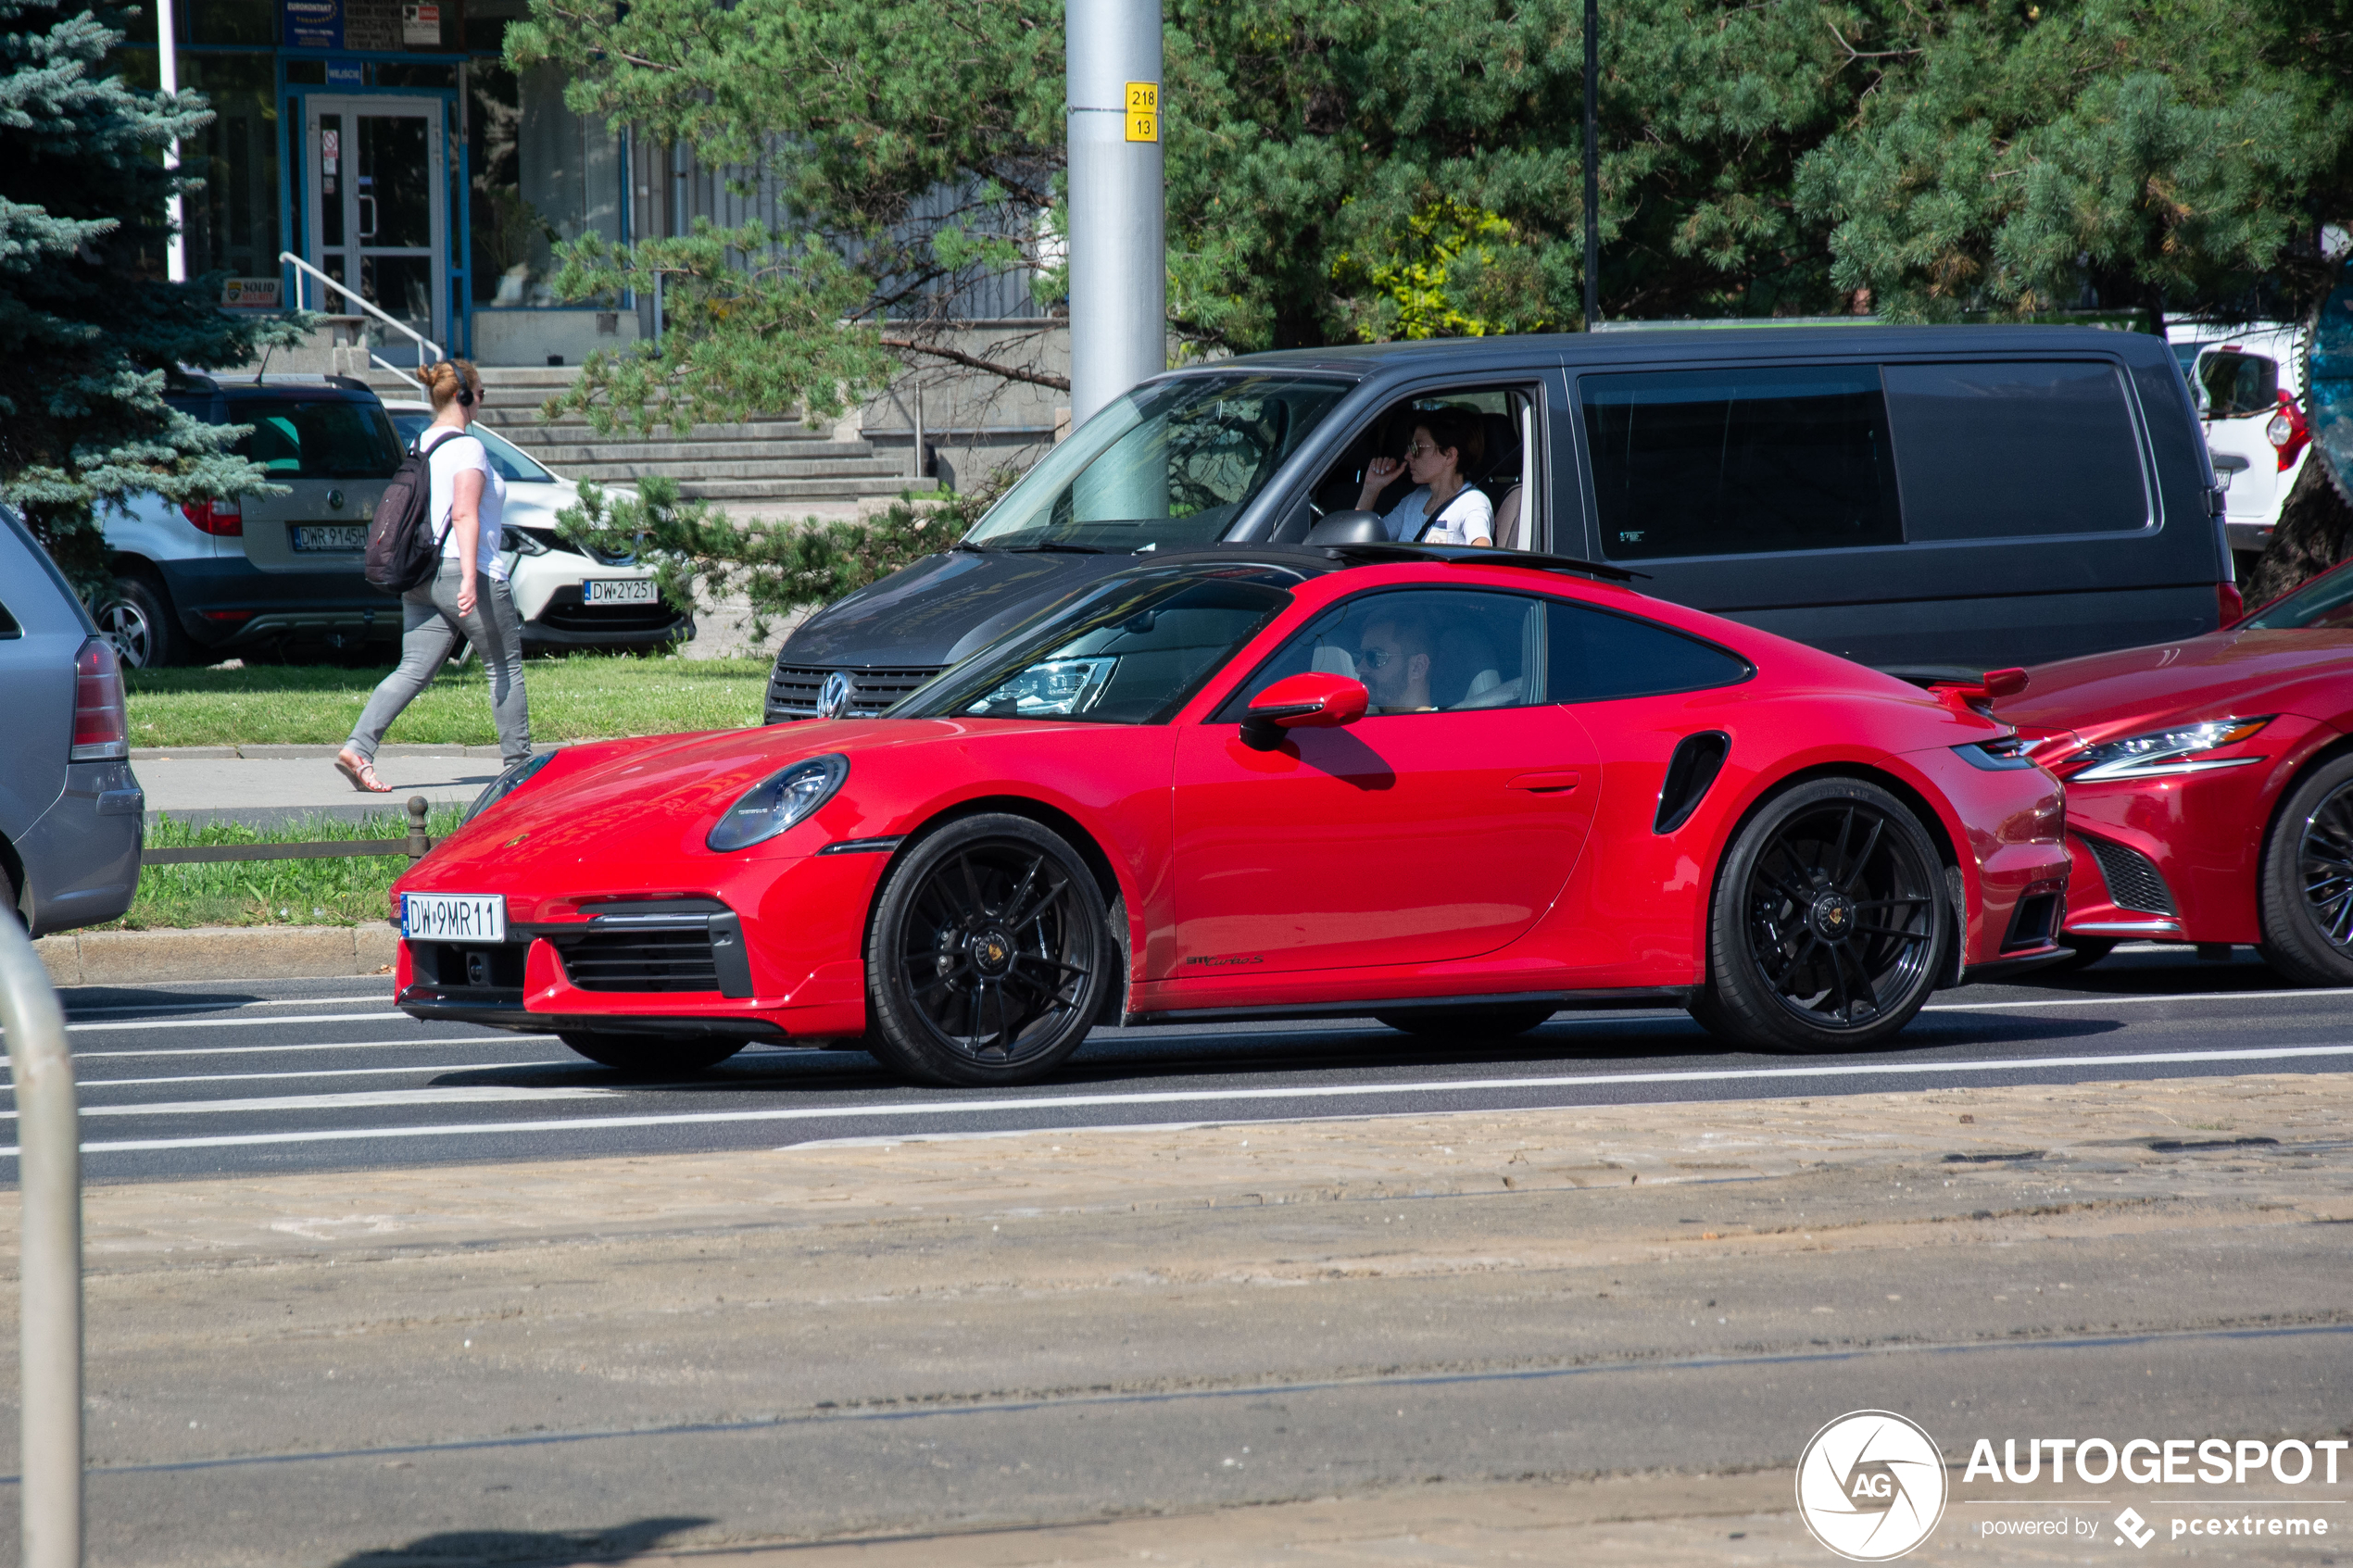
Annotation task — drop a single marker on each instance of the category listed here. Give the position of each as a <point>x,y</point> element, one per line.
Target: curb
<point>304,753</point>
<point>218,952</point>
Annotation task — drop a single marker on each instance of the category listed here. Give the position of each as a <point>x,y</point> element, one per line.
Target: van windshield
<point>1169,465</point>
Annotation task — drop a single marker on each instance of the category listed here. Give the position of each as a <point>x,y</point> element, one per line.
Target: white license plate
<point>330,536</point>
<point>453,917</point>
<point>617,591</point>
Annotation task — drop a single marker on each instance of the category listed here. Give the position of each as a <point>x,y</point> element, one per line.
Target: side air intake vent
<point>1689,772</point>
<point>2134,880</point>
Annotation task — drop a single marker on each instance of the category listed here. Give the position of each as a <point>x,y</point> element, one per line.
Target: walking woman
<point>468,596</point>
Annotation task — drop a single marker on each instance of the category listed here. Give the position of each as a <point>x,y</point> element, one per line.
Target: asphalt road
<point>255,1075</point>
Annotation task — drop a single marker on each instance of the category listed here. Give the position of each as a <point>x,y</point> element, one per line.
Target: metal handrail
<point>422,342</point>
<point>380,362</point>
<point>49,1273</point>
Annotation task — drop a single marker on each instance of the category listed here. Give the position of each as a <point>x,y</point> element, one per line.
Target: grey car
<point>71,813</point>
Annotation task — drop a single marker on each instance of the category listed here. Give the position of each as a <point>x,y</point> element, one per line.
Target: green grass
<point>580,697</point>
<point>337,892</point>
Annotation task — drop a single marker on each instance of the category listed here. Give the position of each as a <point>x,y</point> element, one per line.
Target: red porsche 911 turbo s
<point>1452,789</point>
<point>2209,784</point>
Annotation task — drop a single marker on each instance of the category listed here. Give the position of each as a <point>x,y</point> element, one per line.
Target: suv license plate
<point>453,917</point>
<point>329,535</point>
<point>617,591</point>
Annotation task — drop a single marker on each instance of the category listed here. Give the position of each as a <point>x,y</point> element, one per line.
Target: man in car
<point>1392,660</point>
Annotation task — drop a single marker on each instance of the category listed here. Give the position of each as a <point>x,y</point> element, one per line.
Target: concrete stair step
<point>612,474</point>
<point>562,455</point>
<point>524,427</point>
<point>796,489</point>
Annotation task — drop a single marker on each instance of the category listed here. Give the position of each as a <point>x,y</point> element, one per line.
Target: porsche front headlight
<point>778,802</point>
<point>2179,750</point>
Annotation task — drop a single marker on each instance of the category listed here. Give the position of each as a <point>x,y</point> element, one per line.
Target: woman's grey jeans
<point>428,627</point>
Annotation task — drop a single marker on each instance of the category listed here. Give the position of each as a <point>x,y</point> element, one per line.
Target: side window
<point>1488,485</point>
<point>1993,451</point>
<point>1595,655</point>
<point>8,627</point>
<point>1418,650</point>
<point>2237,384</point>
<point>1740,461</point>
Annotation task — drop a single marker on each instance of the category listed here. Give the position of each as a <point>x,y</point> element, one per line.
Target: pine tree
<point>91,335</point>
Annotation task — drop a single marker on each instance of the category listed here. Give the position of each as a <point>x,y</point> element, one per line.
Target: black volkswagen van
<point>1979,497</point>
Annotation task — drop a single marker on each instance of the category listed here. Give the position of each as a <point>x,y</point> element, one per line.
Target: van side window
<point>1740,461</point>
<point>1988,451</point>
<point>1594,655</point>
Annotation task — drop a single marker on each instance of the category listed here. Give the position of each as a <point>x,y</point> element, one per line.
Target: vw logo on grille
<point>833,697</point>
<point>334,500</point>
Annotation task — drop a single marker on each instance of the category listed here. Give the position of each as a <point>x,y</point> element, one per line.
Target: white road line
<point>1182,1097</point>
<point>2168,996</point>
<point>431,1043</point>
<point>455,1094</point>
<point>245,1022</point>
<point>233,1006</point>
<point>86,1084</point>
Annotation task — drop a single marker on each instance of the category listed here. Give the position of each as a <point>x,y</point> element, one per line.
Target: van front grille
<point>794,690</point>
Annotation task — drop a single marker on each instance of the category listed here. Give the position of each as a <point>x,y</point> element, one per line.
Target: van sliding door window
<point>2001,450</point>
<point>1740,461</point>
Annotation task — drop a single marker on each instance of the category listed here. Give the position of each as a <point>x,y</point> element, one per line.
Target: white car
<point>567,597</point>
<point>2248,383</point>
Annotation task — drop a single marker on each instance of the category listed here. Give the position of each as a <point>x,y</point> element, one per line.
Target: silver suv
<point>71,813</point>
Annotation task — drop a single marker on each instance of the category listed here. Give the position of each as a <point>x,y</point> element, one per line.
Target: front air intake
<point>2134,880</point>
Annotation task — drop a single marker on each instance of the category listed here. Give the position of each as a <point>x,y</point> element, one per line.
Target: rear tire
<point>1497,1021</point>
<point>138,622</point>
<point>1829,922</point>
<point>652,1055</point>
<point>989,957</point>
<point>2306,891</point>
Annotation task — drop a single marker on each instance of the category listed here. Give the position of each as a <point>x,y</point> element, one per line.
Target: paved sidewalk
<point>277,785</point>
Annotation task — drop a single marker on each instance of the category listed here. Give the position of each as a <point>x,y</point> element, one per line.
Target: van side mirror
<point>1348,528</point>
<point>1316,700</point>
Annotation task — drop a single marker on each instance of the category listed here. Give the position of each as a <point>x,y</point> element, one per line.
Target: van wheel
<point>652,1055</point>
<point>1829,922</point>
<point>988,955</point>
<point>138,623</point>
<point>1500,1022</point>
<point>2307,888</point>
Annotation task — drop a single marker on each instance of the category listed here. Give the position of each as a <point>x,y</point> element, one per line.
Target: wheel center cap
<point>992,951</point>
<point>1833,917</point>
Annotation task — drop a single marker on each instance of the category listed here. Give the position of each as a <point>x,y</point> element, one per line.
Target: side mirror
<point>1316,700</point>
<point>1349,527</point>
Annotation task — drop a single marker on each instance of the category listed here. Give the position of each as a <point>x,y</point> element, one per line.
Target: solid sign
<point>342,73</point>
<point>420,26</point>
<point>249,293</point>
<point>313,24</point>
<point>1143,111</point>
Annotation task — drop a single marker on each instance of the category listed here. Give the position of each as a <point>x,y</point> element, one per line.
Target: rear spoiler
<point>1960,687</point>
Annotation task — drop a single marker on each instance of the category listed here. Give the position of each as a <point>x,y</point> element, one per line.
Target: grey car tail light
<point>101,721</point>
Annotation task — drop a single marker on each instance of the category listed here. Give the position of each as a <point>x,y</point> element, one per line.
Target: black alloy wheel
<point>138,623</point>
<point>1830,924</point>
<point>2307,888</point>
<point>988,956</point>
<point>647,1056</point>
<point>1499,1021</point>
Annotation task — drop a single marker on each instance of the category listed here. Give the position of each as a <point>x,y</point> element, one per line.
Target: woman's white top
<point>451,456</point>
<point>1468,516</point>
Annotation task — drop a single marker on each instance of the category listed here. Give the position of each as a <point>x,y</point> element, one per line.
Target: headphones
<point>465,392</point>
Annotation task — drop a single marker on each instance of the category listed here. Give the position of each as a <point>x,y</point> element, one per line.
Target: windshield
<point>1128,651</point>
<point>513,466</point>
<point>2323,604</point>
<point>328,439</point>
<point>1171,464</point>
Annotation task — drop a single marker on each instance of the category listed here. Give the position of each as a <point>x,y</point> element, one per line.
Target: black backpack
<point>402,551</point>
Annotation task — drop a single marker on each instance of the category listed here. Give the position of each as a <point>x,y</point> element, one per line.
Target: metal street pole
<point>175,250</point>
<point>1592,163</point>
<point>1118,265</point>
<point>49,1272</point>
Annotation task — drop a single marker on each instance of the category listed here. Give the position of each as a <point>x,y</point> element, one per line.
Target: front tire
<point>989,957</point>
<point>1829,924</point>
<point>647,1056</point>
<point>2307,888</point>
<point>1495,1021</point>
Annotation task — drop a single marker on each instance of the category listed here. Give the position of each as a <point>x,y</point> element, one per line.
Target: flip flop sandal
<point>361,774</point>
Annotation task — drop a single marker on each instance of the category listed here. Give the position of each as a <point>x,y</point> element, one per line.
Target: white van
<point>2248,383</point>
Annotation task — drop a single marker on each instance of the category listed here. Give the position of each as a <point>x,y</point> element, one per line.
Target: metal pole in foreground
<point>175,252</point>
<point>49,1273</point>
<point>1118,266</point>
<point>1592,163</point>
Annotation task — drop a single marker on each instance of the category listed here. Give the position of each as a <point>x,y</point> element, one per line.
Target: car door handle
<point>1555,782</point>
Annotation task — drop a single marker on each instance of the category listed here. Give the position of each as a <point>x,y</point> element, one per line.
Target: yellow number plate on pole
<point>1143,111</point>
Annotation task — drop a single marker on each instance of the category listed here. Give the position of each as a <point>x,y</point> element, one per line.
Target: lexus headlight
<point>2168,751</point>
<point>507,784</point>
<point>779,801</point>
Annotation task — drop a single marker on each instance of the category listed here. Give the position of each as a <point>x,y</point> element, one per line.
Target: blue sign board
<point>313,24</point>
<point>344,73</point>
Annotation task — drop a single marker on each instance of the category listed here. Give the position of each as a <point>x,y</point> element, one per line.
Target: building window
<point>232,219</point>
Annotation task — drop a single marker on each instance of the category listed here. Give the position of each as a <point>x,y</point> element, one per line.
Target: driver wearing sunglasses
<point>1392,660</point>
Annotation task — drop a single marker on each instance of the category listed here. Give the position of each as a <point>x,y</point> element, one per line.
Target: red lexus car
<point>2209,784</point>
<point>1452,789</point>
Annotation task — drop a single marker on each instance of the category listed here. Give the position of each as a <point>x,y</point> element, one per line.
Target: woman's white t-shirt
<point>451,456</point>
<point>1468,516</point>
